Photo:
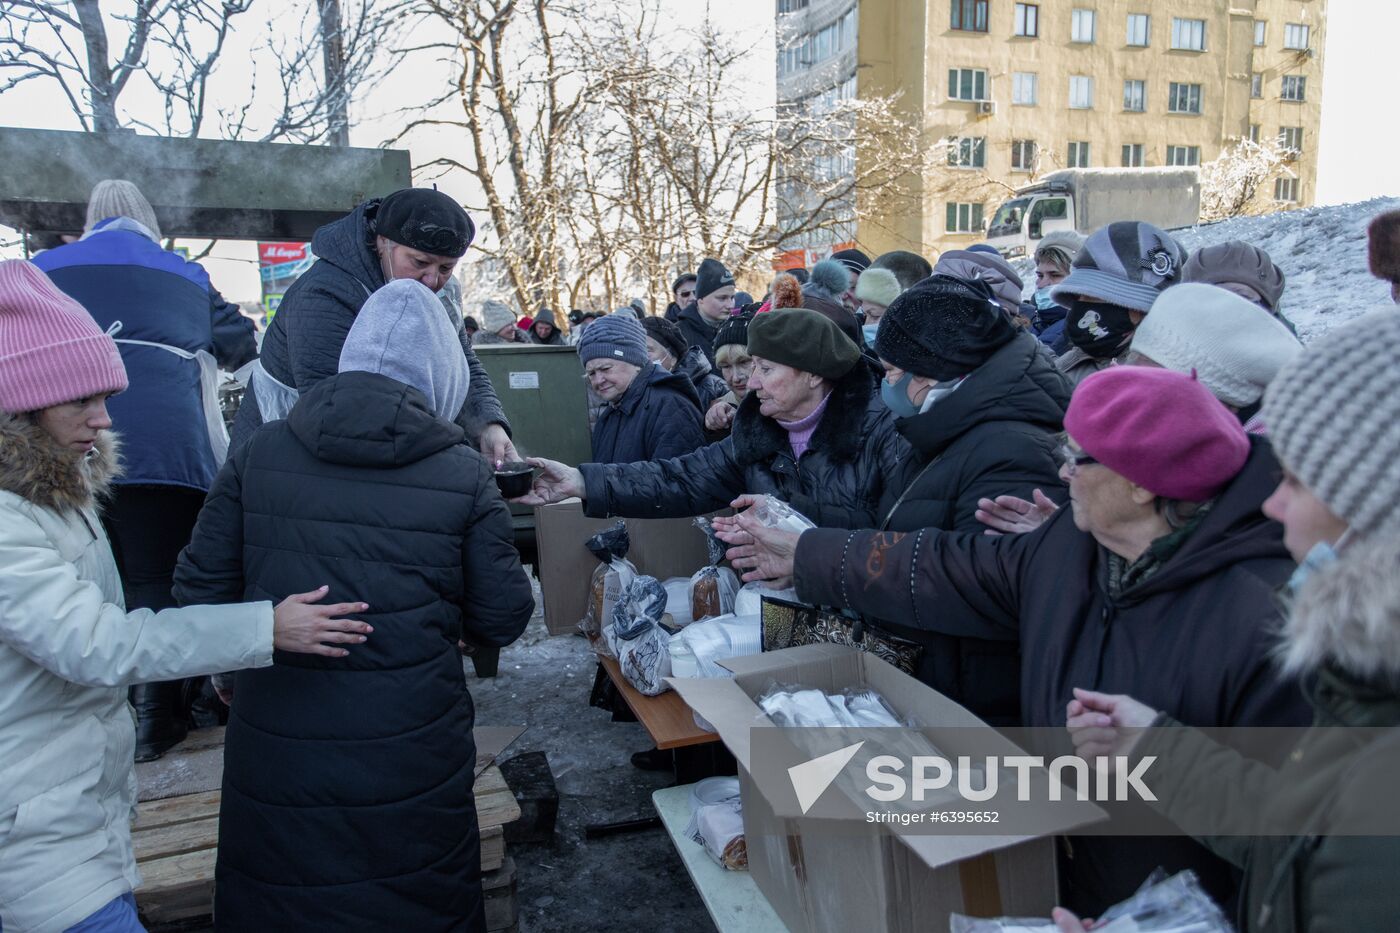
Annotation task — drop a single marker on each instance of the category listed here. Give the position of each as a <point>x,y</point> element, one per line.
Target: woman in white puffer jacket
<point>68,647</point>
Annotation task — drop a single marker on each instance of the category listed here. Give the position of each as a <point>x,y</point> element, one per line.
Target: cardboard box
<point>661,548</point>
<point>883,880</point>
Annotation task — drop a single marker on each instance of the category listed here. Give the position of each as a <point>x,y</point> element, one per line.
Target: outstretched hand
<point>1014,516</point>
<point>556,482</point>
<point>303,628</point>
<point>1106,725</point>
<point>763,554</point>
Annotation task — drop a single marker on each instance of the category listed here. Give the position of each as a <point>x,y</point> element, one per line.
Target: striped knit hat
<point>51,350</point>
<point>1334,420</point>
<point>1127,264</point>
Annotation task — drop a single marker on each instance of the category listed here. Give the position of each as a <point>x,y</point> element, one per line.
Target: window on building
<point>967,151</point>
<point>967,84</point>
<point>1139,29</point>
<point>1183,155</point>
<point>1285,189</point>
<point>1184,98</point>
<point>1078,155</point>
<point>1256,85</point>
<point>1295,87</point>
<point>1295,36</point>
<point>1135,96</point>
<point>964,218</point>
<point>1082,26</point>
<point>1023,153</point>
<point>791,6</point>
<point>1025,88</point>
<point>1027,20</point>
<point>1290,140</point>
<point>1189,34</point>
<point>1132,155</point>
<point>1081,92</point>
<point>1254,133</point>
<point>970,15</point>
<point>1261,31</point>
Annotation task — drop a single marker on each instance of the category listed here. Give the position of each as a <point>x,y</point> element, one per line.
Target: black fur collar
<point>757,438</point>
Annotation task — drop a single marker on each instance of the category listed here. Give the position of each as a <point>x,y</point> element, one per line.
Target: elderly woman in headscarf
<point>811,431</point>
<point>347,792</point>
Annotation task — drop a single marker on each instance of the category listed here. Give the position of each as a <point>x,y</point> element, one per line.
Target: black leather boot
<point>160,723</point>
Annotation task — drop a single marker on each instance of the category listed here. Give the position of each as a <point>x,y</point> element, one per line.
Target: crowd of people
<point>1132,497</point>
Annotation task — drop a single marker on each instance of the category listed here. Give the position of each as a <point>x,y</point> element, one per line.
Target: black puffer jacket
<point>854,467</point>
<point>347,792</point>
<point>698,331</point>
<point>695,366</point>
<point>658,417</point>
<point>1193,640</point>
<point>302,345</point>
<point>994,435</point>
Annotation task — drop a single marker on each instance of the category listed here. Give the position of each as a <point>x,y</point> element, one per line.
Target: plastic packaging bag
<point>610,579</point>
<point>696,651</point>
<point>642,647</point>
<point>775,513</point>
<point>807,707</point>
<point>1162,905</point>
<point>713,588</point>
<point>678,600</point>
<point>717,821</point>
<point>749,600</point>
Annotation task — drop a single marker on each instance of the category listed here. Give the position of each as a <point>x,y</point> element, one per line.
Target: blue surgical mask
<point>1321,555</point>
<point>869,331</point>
<point>896,396</point>
<point>1042,299</point>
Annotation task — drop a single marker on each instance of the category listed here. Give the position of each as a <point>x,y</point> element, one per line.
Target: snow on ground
<point>1321,250</point>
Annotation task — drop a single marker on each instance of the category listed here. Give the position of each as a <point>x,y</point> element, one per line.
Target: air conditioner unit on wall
<point>986,108</point>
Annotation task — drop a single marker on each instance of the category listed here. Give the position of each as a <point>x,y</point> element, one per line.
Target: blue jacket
<point>121,275</point>
<point>657,418</point>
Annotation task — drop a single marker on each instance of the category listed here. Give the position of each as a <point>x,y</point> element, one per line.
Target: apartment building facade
<point>1007,91</point>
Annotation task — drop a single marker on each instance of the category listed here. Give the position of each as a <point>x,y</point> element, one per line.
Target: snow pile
<point>1321,250</point>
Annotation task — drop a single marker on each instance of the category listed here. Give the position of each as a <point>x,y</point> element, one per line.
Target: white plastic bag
<point>717,821</point>
<point>704,644</point>
<point>712,592</point>
<point>642,647</point>
<point>1162,905</point>
<point>749,600</point>
<point>678,600</point>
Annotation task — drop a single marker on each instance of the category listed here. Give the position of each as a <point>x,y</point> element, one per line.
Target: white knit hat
<point>1235,347</point>
<point>1334,420</point>
<point>117,197</point>
<point>495,315</point>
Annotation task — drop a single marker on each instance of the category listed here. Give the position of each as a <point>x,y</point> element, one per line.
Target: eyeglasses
<point>686,294</point>
<point>1073,460</point>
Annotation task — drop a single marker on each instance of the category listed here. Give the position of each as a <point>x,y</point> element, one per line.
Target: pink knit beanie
<point>51,350</point>
<point>1161,429</point>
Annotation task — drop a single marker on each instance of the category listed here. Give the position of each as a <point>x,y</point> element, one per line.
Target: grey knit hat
<point>1333,416</point>
<point>1125,264</point>
<point>614,337</point>
<point>495,315</point>
<point>967,264</point>
<point>117,197</point>
<point>1236,262</point>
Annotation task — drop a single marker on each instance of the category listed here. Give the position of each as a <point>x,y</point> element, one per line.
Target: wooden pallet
<point>176,841</point>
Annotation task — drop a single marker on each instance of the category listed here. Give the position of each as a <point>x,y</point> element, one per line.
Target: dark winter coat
<point>347,788</point>
<point>695,366</point>
<point>1327,881</point>
<point>673,312</point>
<point>994,435</point>
<point>555,338</point>
<point>1049,325</point>
<point>698,331</point>
<point>850,473</point>
<point>122,276</point>
<point>302,345</point>
<point>1193,639</point>
<point>657,418</point>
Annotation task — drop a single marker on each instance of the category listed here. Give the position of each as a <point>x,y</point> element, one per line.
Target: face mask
<point>1320,555</point>
<point>1099,330</point>
<point>896,396</point>
<point>869,330</point>
<point>1042,299</point>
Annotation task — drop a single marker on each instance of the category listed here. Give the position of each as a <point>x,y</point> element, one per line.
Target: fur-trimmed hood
<point>840,434</point>
<point>37,470</point>
<point>1347,614</point>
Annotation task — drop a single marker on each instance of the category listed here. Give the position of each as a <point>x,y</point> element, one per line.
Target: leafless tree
<point>1235,183</point>
<point>175,47</point>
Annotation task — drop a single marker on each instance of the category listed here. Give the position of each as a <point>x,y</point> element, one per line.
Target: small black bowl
<point>514,478</point>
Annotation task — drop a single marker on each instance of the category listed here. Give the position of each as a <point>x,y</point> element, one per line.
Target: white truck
<point>1086,199</point>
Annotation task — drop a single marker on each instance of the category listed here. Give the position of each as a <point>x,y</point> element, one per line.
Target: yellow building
<point>1027,88</point>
